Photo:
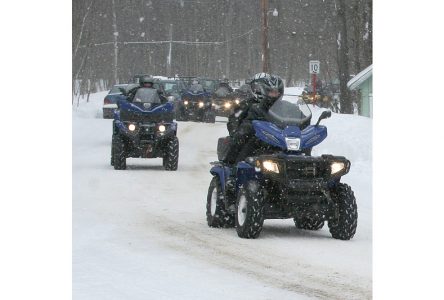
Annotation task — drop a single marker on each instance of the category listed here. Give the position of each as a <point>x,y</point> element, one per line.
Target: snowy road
<point>142,233</point>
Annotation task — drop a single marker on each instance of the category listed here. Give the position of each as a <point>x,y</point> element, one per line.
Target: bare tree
<point>116,45</point>
<point>111,28</point>
<point>343,59</point>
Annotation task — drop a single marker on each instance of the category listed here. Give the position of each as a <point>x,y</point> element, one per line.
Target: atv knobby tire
<point>249,215</point>
<point>180,117</point>
<point>344,227</point>
<point>171,156</point>
<point>308,223</point>
<point>118,153</point>
<point>112,150</point>
<point>217,215</point>
<point>210,117</point>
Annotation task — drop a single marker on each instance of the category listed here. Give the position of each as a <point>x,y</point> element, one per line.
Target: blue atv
<point>195,105</point>
<point>144,128</point>
<point>281,179</point>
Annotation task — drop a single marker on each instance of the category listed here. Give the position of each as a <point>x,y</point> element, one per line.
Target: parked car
<point>110,101</point>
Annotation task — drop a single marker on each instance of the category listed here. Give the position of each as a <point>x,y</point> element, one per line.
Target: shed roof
<point>362,76</point>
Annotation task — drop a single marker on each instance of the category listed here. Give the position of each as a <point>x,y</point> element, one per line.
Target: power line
<point>197,43</point>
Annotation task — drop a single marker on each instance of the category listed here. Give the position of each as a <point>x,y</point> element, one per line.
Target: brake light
<point>107,101</point>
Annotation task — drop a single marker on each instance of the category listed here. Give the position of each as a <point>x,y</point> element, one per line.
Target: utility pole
<point>169,51</point>
<point>265,52</point>
<point>116,47</point>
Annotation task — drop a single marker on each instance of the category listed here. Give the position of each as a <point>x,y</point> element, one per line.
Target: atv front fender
<point>222,172</point>
<point>246,172</point>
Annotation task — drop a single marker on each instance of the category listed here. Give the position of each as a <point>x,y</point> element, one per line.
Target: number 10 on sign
<point>314,67</point>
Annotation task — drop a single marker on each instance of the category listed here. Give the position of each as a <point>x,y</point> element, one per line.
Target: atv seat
<point>223,146</point>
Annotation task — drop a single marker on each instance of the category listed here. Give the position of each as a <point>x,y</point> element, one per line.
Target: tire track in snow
<point>245,257</point>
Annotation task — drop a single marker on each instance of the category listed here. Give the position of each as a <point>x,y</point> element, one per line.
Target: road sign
<point>314,67</point>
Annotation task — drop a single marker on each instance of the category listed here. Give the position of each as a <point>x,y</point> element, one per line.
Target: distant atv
<point>144,128</point>
<point>322,99</point>
<point>195,105</point>
<point>282,180</point>
<point>224,100</point>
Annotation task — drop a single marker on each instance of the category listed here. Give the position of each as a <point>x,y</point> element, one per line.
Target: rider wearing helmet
<point>240,111</point>
<point>146,82</point>
<point>267,89</point>
<point>196,86</point>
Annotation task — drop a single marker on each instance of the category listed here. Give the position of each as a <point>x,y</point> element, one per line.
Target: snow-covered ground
<point>141,233</point>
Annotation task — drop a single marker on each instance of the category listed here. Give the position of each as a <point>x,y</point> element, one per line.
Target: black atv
<point>224,100</point>
<point>195,105</point>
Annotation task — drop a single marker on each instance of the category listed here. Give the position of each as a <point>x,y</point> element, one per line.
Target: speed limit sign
<point>314,67</point>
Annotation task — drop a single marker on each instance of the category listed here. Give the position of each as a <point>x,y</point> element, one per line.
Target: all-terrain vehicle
<point>282,180</point>
<point>224,100</point>
<point>144,128</point>
<point>195,105</point>
<point>323,98</point>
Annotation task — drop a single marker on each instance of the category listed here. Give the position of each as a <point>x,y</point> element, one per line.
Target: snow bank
<point>296,90</point>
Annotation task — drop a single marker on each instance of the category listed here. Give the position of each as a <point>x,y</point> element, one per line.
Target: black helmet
<point>145,80</point>
<point>267,88</point>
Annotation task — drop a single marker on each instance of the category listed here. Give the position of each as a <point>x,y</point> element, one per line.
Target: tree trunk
<point>116,46</point>
<point>228,37</point>
<point>343,68</point>
<point>81,30</point>
<point>357,33</point>
<point>368,33</point>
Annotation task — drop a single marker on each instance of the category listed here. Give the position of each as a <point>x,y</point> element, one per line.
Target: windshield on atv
<point>146,95</point>
<point>290,112</point>
<point>171,87</point>
<point>196,88</point>
<point>209,85</point>
<point>222,91</point>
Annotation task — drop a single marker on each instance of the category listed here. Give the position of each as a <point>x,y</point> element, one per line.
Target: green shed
<point>363,83</point>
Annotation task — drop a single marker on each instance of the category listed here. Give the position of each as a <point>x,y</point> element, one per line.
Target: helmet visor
<point>274,93</point>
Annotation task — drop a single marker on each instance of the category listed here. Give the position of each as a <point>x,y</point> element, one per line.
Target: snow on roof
<point>160,77</point>
<point>360,78</point>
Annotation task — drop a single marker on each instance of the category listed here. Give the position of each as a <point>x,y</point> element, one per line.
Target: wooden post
<point>265,52</point>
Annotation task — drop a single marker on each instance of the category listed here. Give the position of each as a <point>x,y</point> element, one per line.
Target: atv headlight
<point>293,144</point>
<point>162,128</point>
<point>270,166</point>
<point>337,167</point>
<point>227,105</point>
<point>131,127</point>
<point>237,101</point>
<point>185,102</point>
<point>201,104</point>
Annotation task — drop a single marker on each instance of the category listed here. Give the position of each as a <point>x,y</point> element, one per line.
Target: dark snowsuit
<point>239,113</point>
<point>243,141</point>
